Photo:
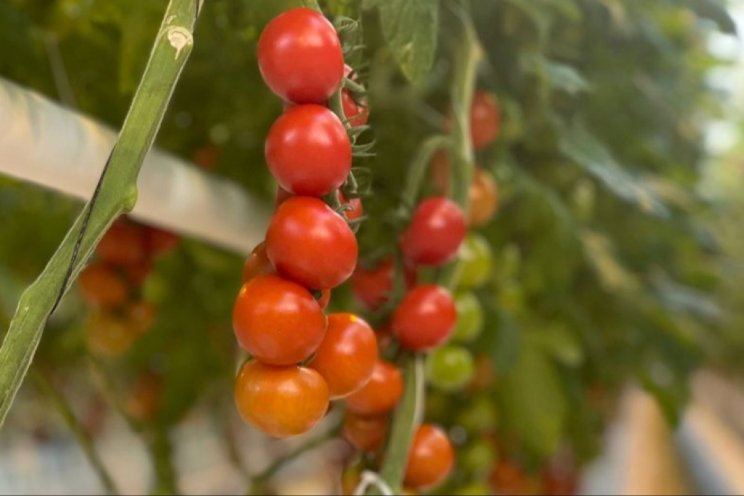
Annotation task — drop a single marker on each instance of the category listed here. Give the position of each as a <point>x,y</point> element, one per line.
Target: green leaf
<point>586,150</point>
<point>410,30</point>
<point>558,340</point>
<point>557,75</point>
<point>534,402</point>
<point>611,273</point>
<point>714,11</point>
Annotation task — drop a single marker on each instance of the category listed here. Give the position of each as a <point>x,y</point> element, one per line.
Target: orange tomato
<point>365,433</point>
<point>381,393</point>
<point>431,458</point>
<point>102,286</point>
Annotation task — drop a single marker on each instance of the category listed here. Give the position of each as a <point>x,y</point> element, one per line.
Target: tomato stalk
<point>115,194</point>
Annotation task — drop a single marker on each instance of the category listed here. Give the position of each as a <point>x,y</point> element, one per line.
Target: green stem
<point>407,417</point>
<point>260,480</point>
<point>77,429</point>
<point>115,194</point>
<point>419,165</point>
<point>161,452</point>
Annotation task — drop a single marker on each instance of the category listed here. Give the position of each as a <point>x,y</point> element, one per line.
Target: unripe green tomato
<point>469,318</point>
<point>476,262</point>
<point>480,415</point>
<point>450,368</point>
<point>478,457</point>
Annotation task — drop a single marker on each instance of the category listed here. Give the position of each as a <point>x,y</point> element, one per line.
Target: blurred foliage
<point>608,259</point>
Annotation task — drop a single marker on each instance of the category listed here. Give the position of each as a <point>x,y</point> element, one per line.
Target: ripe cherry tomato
<point>485,120</point>
<point>355,111</point>
<point>450,368</point>
<point>475,264</point>
<point>347,355</point>
<point>108,335</point>
<point>137,273</point>
<point>257,263</point>
<point>381,393</point>
<point>483,198</point>
<point>277,321</point>
<point>123,243</point>
<point>280,401</point>
<point>373,286</point>
<point>469,318</point>
<point>434,235</point>
<point>365,433</point>
<point>354,207</point>
<point>310,243</point>
<point>300,56</point>
<point>425,317</point>
<point>102,286</point>
<point>431,458</point>
<point>142,315</point>
<point>159,241</point>
<point>308,151</point>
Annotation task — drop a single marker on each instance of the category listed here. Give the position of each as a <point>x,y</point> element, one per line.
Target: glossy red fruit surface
<point>435,232</point>
<point>425,317</point>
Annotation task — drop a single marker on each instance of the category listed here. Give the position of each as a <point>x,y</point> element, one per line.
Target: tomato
<point>108,335</point>
<point>449,367</point>
<point>479,416</point>
<point>478,456</point>
<point>485,120</point>
<point>159,241</point>
<point>373,286</point>
<point>355,111</point>
<point>434,234</point>
<point>425,317</point>
<point>277,321</point>
<point>143,400</point>
<point>483,198</point>
<point>138,272</point>
<point>381,393</point>
<point>257,263</point>
<point>431,458</point>
<point>310,243</point>
<point>142,315</point>
<point>475,264</point>
<point>354,208</point>
<point>508,478</point>
<point>439,169</point>
<point>123,243</point>
<point>469,318</point>
<point>280,401</point>
<point>308,151</point>
<point>347,355</point>
<point>300,56</point>
<point>102,286</point>
<point>365,433</point>
<point>206,156</point>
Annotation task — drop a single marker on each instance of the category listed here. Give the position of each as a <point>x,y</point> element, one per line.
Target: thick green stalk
<point>116,193</point>
<point>77,429</point>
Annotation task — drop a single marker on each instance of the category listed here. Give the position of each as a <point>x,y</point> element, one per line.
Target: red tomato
<point>300,56</point>
<point>373,286</point>
<point>308,151</point>
<point>257,263</point>
<point>381,393</point>
<point>158,241</point>
<point>102,286</point>
<point>485,120</point>
<point>435,233</point>
<point>310,243</point>
<point>425,317</point>
<point>347,355</point>
<point>123,243</point>
<point>137,273</point>
<point>365,433</point>
<point>354,205</point>
<point>280,401</point>
<point>431,458</point>
<point>356,112</point>
<point>277,321</point>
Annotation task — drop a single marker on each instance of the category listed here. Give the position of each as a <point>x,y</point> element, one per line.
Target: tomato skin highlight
<point>300,56</point>
<point>434,234</point>
<point>308,151</point>
<point>431,458</point>
<point>280,401</point>
<point>381,393</point>
<point>277,321</point>
<point>347,356</point>
<point>365,433</point>
<point>311,244</point>
<point>485,120</point>
<point>425,318</point>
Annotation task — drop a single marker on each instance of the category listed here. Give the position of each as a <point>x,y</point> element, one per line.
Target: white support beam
<point>54,147</point>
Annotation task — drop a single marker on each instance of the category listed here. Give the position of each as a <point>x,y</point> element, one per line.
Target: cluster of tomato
<point>112,284</point>
<point>300,357</point>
